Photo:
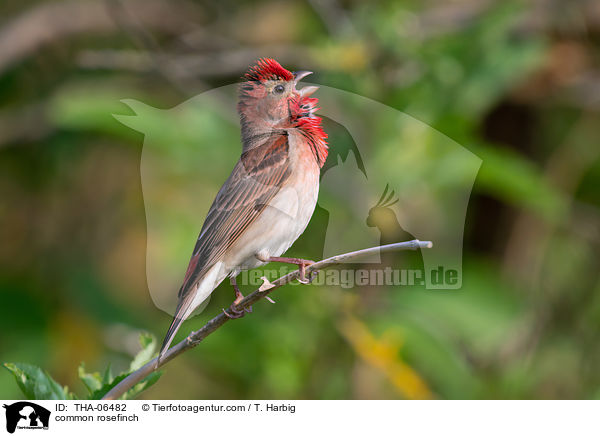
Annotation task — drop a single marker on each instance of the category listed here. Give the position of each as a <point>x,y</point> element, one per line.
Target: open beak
<point>299,75</point>
<point>307,90</point>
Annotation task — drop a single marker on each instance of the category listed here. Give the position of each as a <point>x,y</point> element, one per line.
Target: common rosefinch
<point>270,196</point>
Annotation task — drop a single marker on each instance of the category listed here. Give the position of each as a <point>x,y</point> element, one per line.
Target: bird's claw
<point>302,268</point>
<point>229,315</point>
<point>235,314</point>
<point>302,264</point>
<point>308,281</point>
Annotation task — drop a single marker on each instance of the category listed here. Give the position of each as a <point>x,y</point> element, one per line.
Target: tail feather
<point>175,324</point>
<point>188,301</point>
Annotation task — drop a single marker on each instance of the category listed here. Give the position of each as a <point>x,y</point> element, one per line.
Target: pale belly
<point>274,231</point>
<point>280,224</point>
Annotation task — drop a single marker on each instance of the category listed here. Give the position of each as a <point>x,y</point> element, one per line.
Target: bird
<point>270,196</point>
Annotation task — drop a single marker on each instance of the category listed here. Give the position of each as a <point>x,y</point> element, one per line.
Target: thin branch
<point>47,23</point>
<point>265,289</point>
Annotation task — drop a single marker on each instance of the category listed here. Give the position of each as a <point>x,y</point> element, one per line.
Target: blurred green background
<point>517,83</point>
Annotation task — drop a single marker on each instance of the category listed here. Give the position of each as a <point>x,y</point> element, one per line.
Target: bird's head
<point>269,98</point>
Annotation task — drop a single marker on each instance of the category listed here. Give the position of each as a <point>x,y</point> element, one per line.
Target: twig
<point>196,337</point>
<point>45,23</point>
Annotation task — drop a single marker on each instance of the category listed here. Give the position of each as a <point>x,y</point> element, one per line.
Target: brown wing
<point>256,178</point>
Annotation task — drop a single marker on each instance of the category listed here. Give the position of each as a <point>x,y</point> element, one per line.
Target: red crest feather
<point>268,69</point>
<point>301,110</point>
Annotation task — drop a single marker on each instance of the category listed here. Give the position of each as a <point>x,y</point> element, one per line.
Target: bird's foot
<point>302,264</point>
<point>232,312</point>
<point>235,314</point>
<point>308,280</point>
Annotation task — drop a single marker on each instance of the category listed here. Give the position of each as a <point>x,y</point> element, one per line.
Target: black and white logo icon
<point>26,415</point>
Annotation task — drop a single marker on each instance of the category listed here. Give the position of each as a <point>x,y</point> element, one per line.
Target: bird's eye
<point>278,89</point>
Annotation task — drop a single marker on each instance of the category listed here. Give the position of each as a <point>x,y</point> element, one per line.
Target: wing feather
<point>255,180</point>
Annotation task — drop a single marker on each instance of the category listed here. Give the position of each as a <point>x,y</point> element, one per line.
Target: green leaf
<point>97,395</point>
<point>107,377</point>
<point>148,343</point>
<point>36,384</point>
<point>142,386</point>
<point>131,393</point>
<point>92,381</point>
